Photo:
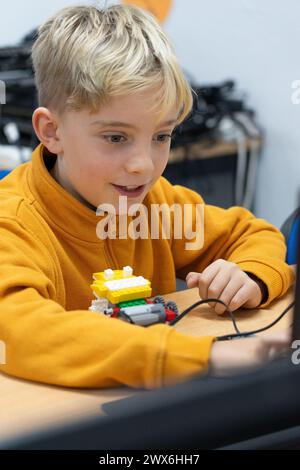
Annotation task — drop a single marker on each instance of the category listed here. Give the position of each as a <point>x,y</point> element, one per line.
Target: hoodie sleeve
<point>79,348</point>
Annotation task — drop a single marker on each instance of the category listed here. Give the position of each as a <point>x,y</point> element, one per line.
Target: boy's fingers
<point>207,277</point>
<point>220,285</point>
<point>228,294</point>
<point>192,279</point>
<point>195,280</point>
<point>240,298</point>
<point>254,297</point>
<point>277,343</point>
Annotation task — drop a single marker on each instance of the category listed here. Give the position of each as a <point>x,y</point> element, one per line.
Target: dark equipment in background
<point>216,108</point>
<point>216,150</point>
<point>211,103</point>
<point>17,74</point>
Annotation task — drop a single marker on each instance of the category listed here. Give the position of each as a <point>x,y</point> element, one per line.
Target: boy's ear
<point>45,124</point>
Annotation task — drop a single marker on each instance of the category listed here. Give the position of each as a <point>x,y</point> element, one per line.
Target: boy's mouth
<point>129,191</point>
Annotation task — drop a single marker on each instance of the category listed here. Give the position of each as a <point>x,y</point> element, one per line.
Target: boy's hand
<point>225,281</point>
<point>240,354</point>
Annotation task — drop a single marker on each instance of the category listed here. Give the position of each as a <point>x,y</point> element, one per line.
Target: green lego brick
<point>132,303</point>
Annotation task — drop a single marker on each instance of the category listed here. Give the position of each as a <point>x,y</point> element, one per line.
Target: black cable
<point>259,330</point>
<point>238,333</point>
<point>205,301</point>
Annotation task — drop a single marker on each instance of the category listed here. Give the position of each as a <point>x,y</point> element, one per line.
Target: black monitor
<point>296,316</point>
<point>204,413</point>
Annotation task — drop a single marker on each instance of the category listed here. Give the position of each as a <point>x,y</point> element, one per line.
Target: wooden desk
<point>26,406</point>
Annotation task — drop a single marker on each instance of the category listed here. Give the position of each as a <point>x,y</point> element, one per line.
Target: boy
<point>111,93</point>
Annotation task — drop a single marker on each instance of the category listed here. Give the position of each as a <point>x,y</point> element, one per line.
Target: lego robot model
<point>120,294</point>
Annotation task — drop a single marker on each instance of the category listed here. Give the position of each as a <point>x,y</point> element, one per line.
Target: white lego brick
<point>99,305</point>
<point>108,274</point>
<point>126,283</point>
<point>127,271</point>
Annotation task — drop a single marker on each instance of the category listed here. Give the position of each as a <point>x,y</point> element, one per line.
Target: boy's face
<point>119,151</point>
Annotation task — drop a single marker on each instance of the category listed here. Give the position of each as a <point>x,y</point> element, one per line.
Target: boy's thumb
<point>192,280</point>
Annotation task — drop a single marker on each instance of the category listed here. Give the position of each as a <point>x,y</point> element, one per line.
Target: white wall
<point>256,42</point>
<point>18,17</point>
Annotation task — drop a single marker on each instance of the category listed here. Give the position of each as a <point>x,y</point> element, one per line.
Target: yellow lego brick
<point>123,295</point>
<point>99,289</point>
<point>118,292</point>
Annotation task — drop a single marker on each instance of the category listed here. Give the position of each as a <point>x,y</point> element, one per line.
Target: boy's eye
<point>163,138</point>
<point>119,139</point>
<point>114,138</point>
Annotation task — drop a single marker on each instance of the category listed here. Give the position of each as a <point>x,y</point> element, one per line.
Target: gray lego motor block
<point>144,315</point>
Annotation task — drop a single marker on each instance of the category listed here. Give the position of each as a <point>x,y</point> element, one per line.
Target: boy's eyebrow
<point>125,124</point>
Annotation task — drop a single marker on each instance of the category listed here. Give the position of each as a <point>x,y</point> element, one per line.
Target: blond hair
<point>83,56</point>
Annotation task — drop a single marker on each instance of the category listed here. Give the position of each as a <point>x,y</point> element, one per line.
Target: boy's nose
<point>140,164</point>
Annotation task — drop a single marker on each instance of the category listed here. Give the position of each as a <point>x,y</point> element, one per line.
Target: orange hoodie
<point>49,249</point>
